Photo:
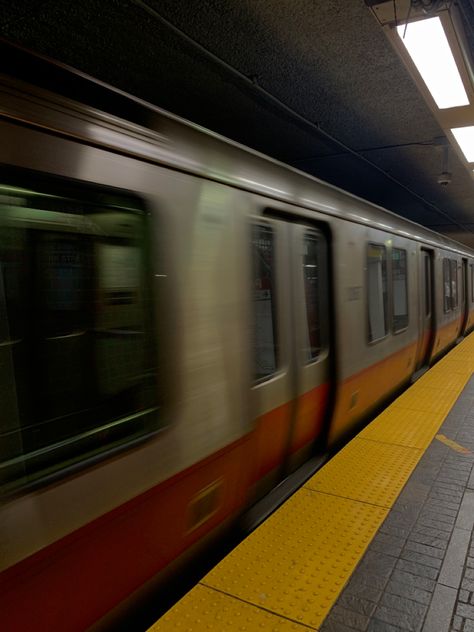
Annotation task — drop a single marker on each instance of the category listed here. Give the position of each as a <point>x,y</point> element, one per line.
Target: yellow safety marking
<point>444,380</point>
<point>452,444</point>
<point>367,471</point>
<point>296,563</point>
<point>448,367</point>
<point>402,426</point>
<point>430,400</point>
<point>288,573</point>
<point>206,609</point>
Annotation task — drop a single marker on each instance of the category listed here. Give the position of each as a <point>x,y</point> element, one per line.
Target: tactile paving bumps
<point>451,364</point>
<point>444,380</point>
<point>405,427</point>
<point>206,609</point>
<point>298,561</point>
<point>430,400</point>
<point>368,471</point>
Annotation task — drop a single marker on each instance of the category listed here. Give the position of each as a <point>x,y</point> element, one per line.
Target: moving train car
<point>183,322</point>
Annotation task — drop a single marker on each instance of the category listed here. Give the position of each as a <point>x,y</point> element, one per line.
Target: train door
<point>426,311</point>
<point>464,298</point>
<point>289,345</point>
<point>310,318</point>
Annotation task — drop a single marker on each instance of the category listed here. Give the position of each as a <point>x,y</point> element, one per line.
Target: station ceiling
<point>314,83</point>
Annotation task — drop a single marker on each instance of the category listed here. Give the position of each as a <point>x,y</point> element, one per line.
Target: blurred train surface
<point>183,324</point>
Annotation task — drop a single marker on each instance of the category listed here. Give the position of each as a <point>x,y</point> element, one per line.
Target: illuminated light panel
<point>428,46</point>
<point>465,139</point>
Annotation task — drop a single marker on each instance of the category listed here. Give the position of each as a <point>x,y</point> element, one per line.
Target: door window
<point>400,290</point>
<point>427,280</point>
<point>264,306</point>
<point>311,273</point>
<point>450,284</point>
<point>377,291</point>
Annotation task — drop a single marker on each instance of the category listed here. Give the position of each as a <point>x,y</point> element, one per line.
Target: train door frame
<point>271,394</point>
<point>312,375</point>
<point>465,297</point>
<point>426,309</point>
<point>287,227</point>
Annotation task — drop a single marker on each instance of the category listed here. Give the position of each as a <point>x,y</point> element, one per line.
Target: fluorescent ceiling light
<point>427,45</point>
<point>465,139</point>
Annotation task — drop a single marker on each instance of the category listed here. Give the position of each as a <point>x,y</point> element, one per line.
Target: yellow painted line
<point>452,444</point>
<point>289,572</point>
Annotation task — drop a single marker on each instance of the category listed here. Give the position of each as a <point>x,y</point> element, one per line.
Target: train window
<point>400,291</point>
<point>427,281</point>
<point>446,285</point>
<point>311,274</point>
<point>265,334</point>
<point>454,283</point>
<point>450,282</point>
<point>77,362</point>
<point>377,296</point>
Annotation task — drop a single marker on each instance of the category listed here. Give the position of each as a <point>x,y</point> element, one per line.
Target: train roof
<point>54,96</point>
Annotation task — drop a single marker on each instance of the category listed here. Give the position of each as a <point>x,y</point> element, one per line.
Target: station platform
<point>378,540</point>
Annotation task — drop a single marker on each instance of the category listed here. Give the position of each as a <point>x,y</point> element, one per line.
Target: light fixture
<point>429,49</point>
<point>465,138</point>
<point>430,39</point>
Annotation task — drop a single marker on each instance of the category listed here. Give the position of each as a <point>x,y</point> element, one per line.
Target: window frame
<point>321,244</point>
<point>264,223</point>
<point>450,265</point>
<point>428,276</point>
<point>386,303</point>
<point>29,470</point>
<point>394,331</point>
<point>447,305</point>
<point>455,285</point>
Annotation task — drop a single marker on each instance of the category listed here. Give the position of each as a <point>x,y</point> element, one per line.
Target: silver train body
<point>200,320</point>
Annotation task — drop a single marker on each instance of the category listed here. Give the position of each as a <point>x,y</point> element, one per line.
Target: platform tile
<point>204,609</point>
<point>403,426</point>
<point>444,380</point>
<point>450,365</point>
<point>431,400</point>
<point>296,565</point>
<point>368,471</point>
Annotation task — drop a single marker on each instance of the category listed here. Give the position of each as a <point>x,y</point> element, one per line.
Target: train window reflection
<point>377,296</point>
<point>312,296</point>
<point>77,361</point>
<point>446,285</point>
<point>400,290</point>
<point>450,284</point>
<point>427,283</point>
<point>454,283</point>
<point>265,337</point>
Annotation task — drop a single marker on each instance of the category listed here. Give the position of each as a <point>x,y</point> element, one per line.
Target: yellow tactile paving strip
<point>427,399</point>
<point>405,427</point>
<point>368,471</point>
<point>207,609</point>
<point>289,572</point>
<point>299,561</point>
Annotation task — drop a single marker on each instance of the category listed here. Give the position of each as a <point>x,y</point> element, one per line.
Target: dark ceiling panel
<point>328,61</point>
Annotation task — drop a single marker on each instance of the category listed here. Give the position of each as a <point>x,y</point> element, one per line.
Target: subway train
<point>183,323</point>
